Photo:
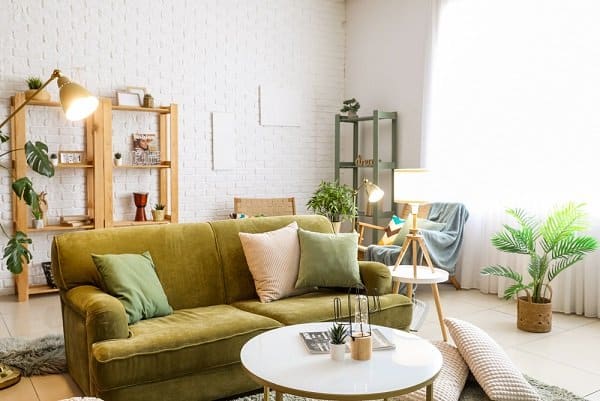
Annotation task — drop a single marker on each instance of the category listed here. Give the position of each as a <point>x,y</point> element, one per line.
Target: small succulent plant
<point>118,155</point>
<point>34,82</point>
<point>350,105</point>
<point>159,206</point>
<point>338,333</point>
<point>53,156</point>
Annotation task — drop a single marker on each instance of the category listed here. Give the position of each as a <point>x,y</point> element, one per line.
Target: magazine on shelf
<point>317,342</point>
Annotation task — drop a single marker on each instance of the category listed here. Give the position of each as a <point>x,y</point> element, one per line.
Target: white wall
<point>387,44</point>
<point>206,56</point>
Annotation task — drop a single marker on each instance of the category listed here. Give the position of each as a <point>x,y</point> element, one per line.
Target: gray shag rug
<point>40,356</point>
<point>472,392</point>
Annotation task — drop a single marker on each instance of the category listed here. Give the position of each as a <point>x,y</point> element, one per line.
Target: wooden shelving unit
<point>168,171</point>
<point>98,170</point>
<point>20,210</point>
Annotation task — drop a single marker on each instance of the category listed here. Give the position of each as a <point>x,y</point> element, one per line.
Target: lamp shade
<point>374,193</point>
<point>412,185</point>
<point>76,101</point>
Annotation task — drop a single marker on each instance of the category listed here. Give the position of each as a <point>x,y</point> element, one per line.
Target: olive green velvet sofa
<point>192,354</point>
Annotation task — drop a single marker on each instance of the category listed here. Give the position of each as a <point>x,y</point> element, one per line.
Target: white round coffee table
<point>278,360</point>
<point>425,275</point>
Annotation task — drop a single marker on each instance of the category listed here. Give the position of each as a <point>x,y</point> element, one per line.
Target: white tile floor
<point>569,356</point>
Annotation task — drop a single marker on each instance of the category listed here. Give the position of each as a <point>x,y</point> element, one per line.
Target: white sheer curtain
<point>513,120</point>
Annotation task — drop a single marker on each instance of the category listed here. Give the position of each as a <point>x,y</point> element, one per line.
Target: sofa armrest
<point>103,314</point>
<point>376,277</point>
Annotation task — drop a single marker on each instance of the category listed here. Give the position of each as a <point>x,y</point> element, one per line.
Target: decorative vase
<point>338,351</point>
<point>140,199</point>
<point>43,96</point>
<point>38,223</point>
<point>337,225</point>
<point>158,215</point>
<point>534,317</point>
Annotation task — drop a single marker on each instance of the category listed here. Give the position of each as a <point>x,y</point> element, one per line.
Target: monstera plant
<point>16,252</point>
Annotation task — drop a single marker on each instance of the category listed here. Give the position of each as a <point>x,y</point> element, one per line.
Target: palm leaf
<point>574,245</point>
<point>501,271</point>
<point>513,290</point>
<point>510,241</point>
<point>561,224</point>
<point>16,252</point>
<point>525,220</point>
<point>562,264</point>
<point>37,158</point>
<point>535,268</point>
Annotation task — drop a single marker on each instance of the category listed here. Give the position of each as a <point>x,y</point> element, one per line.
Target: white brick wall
<point>206,56</point>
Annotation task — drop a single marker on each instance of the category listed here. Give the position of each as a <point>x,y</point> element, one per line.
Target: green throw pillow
<point>328,260</point>
<point>132,279</point>
<point>423,224</point>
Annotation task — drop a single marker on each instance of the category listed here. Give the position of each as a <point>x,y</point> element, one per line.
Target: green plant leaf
<point>501,271</point>
<point>334,200</point>
<point>513,290</point>
<point>510,241</point>
<point>3,138</point>
<point>37,158</point>
<point>562,223</point>
<point>23,188</point>
<point>574,245</point>
<point>16,252</point>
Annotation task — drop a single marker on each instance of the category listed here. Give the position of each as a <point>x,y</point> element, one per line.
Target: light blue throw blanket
<point>443,246</point>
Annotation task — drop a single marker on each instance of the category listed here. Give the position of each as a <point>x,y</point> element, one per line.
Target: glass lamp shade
<point>412,186</point>
<point>76,101</point>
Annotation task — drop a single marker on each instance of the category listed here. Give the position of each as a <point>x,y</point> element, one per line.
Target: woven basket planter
<point>534,317</point>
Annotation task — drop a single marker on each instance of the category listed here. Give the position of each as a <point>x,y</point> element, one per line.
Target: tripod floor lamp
<point>412,186</point>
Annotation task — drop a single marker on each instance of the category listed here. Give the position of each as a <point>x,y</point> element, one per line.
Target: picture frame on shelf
<point>128,99</point>
<point>139,90</point>
<point>71,157</point>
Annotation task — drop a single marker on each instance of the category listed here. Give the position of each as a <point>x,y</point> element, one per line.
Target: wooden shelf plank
<point>44,103</point>
<point>74,165</point>
<point>58,227</point>
<point>160,110</point>
<point>125,223</point>
<point>161,165</point>
<point>41,289</point>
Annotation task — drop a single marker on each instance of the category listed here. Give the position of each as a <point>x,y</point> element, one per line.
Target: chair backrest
<point>265,206</point>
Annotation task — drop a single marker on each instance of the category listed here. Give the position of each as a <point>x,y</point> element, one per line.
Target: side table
<point>405,274</point>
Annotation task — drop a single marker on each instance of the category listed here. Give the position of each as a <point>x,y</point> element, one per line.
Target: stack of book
<point>75,221</point>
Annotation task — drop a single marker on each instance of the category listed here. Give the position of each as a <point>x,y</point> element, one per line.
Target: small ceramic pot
<point>43,96</point>
<point>118,162</point>
<point>38,223</point>
<point>54,162</point>
<point>158,215</point>
<point>338,351</point>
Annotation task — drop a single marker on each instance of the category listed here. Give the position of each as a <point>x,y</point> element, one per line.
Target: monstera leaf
<point>16,252</point>
<point>23,188</point>
<point>37,158</point>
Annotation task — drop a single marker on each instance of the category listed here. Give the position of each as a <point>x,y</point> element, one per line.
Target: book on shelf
<point>317,342</point>
<point>75,221</point>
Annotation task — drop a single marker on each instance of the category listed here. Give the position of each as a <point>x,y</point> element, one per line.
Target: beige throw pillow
<point>451,380</point>
<point>492,368</point>
<point>273,258</point>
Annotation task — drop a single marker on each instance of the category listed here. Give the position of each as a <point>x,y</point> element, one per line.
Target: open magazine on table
<point>317,342</point>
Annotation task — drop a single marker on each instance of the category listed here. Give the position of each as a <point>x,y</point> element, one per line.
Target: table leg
<point>395,285</point>
<point>278,396</point>
<point>265,393</point>
<point>429,393</point>
<point>438,306</point>
<point>409,291</point>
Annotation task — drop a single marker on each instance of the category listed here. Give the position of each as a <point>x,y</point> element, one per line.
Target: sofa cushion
<point>188,341</point>
<point>132,280</point>
<point>396,309</point>
<point>328,260</point>
<point>185,257</point>
<point>239,282</point>
<point>273,259</point>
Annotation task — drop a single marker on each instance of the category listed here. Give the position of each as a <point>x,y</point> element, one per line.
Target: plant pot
<point>337,225</point>
<point>352,114</point>
<point>338,351</point>
<point>54,162</point>
<point>534,317</point>
<point>38,223</point>
<point>158,215</point>
<point>118,162</point>
<point>43,96</point>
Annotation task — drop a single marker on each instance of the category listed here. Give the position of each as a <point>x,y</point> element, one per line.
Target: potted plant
<point>118,160</point>
<point>350,106</point>
<point>335,201</point>
<point>158,213</point>
<point>552,246</point>
<point>337,341</point>
<point>35,83</point>
<point>54,159</point>
<point>38,217</point>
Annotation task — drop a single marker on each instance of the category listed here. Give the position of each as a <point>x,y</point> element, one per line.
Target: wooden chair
<point>265,206</point>
<point>423,213</point>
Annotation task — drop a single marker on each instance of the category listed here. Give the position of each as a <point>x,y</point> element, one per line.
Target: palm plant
<point>559,245</point>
